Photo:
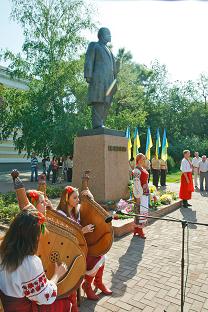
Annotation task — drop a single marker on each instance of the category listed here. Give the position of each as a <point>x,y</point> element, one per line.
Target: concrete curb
<point>122,227</point>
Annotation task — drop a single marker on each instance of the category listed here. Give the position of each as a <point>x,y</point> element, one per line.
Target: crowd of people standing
<point>200,171</point>
<point>55,169</point>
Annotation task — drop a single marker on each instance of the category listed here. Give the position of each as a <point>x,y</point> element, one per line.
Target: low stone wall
<point>122,227</point>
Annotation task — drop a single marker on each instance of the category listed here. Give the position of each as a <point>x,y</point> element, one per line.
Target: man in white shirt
<point>195,163</point>
<point>203,173</point>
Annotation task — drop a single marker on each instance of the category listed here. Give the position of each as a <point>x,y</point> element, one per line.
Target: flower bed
<point>161,197</point>
<point>157,200</point>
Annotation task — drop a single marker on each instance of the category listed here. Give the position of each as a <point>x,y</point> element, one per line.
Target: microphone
<point>108,219</point>
<point>119,211</point>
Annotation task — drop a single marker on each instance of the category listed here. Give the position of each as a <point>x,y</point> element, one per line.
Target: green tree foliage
<point>127,108</point>
<point>53,110</point>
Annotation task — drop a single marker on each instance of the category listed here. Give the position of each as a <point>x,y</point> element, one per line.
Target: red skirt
<point>186,188</point>
<point>11,304</point>
<point>59,305</point>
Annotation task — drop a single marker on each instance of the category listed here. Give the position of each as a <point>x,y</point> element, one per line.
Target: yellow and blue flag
<point>158,144</point>
<point>137,144</point>
<point>164,153</point>
<point>128,136</point>
<point>148,143</point>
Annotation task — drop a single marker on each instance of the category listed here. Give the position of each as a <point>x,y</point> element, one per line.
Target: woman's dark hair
<point>21,240</point>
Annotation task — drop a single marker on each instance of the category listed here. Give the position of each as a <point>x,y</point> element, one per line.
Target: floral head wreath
<point>40,218</point>
<point>34,196</point>
<point>69,191</point>
<point>41,221</point>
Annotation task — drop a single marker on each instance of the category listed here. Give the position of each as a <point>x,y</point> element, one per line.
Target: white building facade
<point>9,157</point>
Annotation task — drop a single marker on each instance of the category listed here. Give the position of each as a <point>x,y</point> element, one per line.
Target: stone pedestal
<point>104,153</point>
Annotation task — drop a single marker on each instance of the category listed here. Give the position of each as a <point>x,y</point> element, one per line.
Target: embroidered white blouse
<point>186,165</point>
<point>28,280</point>
<point>137,188</point>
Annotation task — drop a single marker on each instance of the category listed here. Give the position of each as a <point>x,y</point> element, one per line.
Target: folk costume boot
<point>87,287</point>
<point>141,233</point>
<point>98,282</point>
<point>135,231</point>
<point>73,300</point>
<point>185,203</point>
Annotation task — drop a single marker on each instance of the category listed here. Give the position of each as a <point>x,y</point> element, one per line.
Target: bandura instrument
<point>58,244</point>
<point>101,239</point>
<point>71,226</point>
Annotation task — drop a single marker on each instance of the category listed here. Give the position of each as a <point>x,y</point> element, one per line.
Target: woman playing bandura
<point>24,286</point>
<point>69,207</point>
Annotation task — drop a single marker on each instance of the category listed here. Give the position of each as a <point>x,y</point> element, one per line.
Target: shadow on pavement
<point>128,264</point>
<point>189,215</point>
<point>127,269</point>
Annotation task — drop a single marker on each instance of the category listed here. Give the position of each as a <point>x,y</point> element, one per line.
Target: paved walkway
<point>145,275</point>
<point>6,183</point>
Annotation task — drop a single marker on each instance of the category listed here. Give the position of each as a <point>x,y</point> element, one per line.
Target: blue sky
<point>174,32</point>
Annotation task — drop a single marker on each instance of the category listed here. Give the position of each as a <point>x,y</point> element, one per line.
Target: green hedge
<point>54,191</point>
<point>9,205</point>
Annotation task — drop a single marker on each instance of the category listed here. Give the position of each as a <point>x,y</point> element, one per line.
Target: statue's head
<point>104,35</point>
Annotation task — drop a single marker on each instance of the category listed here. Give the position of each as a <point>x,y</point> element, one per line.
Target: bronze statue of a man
<point>100,73</point>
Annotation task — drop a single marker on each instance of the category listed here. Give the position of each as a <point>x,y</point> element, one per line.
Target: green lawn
<point>174,177</point>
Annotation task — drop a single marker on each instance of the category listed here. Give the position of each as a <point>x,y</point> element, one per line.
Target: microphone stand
<point>184,224</point>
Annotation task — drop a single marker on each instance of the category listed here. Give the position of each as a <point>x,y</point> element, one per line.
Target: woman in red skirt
<point>186,187</point>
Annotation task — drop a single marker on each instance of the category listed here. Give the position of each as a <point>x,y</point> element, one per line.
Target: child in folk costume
<point>23,283</point>
<point>38,200</point>
<point>186,187</point>
<point>141,194</point>
<point>69,207</point>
